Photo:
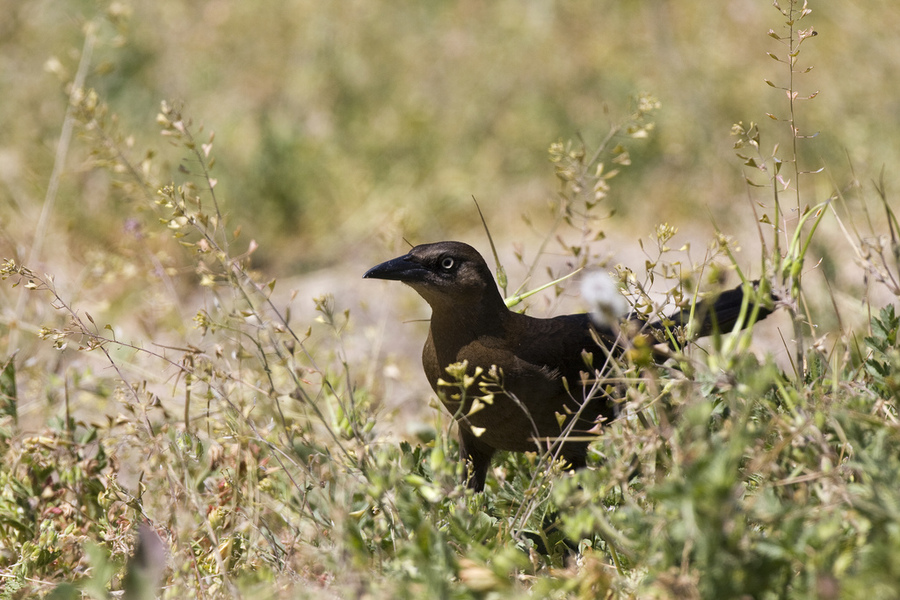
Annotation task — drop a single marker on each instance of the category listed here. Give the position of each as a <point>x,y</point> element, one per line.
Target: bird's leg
<point>470,449</point>
<point>577,460</point>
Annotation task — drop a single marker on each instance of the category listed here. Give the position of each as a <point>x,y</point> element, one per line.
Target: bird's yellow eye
<point>447,263</point>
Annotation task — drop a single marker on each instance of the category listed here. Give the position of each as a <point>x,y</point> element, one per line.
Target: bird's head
<point>443,273</point>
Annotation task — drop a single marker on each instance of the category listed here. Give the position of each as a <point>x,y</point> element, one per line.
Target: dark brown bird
<point>532,384</point>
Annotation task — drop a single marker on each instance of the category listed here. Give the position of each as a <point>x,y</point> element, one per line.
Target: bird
<point>515,382</point>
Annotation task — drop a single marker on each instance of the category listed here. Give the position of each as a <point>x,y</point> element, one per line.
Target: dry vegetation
<point>186,344</point>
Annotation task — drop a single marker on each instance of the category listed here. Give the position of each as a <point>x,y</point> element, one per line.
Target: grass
<point>156,372</point>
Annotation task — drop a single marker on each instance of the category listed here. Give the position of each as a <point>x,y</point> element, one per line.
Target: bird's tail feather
<point>721,313</point>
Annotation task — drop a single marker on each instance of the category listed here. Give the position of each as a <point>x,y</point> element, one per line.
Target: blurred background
<point>342,128</point>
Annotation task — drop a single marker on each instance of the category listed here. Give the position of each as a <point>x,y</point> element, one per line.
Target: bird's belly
<point>508,424</point>
<point>529,407</point>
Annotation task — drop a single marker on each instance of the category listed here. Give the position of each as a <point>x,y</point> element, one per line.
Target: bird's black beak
<point>402,268</point>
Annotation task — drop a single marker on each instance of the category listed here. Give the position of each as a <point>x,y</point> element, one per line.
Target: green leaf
<point>8,393</point>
